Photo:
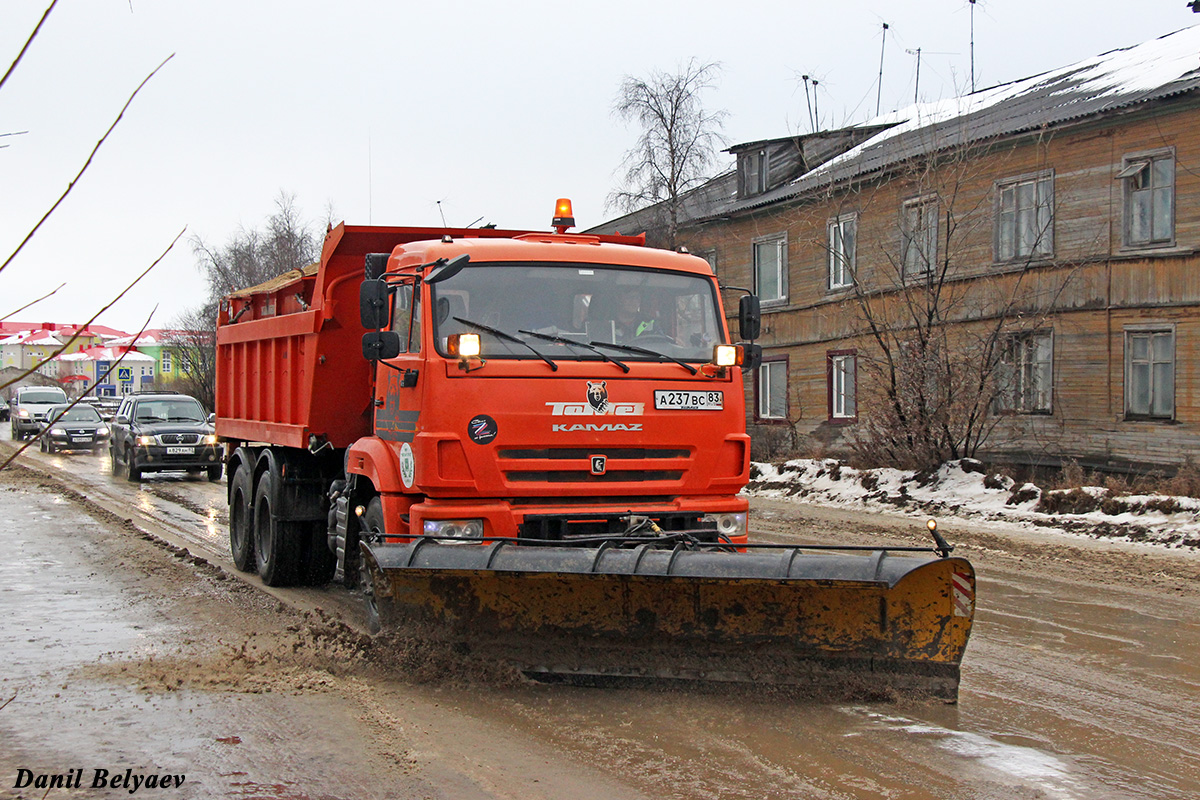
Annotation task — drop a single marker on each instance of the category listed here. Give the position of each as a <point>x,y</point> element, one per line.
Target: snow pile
<point>964,488</point>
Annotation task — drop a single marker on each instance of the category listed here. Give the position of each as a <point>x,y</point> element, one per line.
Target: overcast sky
<point>379,110</point>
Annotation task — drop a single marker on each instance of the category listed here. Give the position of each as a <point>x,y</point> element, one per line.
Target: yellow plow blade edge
<point>862,623</point>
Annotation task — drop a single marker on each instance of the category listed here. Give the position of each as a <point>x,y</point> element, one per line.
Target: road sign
<point>125,374</point>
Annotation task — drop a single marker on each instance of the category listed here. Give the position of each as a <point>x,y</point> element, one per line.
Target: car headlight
<point>455,528</point>
<point>728,525</point>
<point>145,441</point>
<point>57,432</point>
<point>23,412</point>
<point>211,439</point>
<point>102,430</point>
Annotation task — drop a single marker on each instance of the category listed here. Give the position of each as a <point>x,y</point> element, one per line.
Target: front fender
<point>377,461</point>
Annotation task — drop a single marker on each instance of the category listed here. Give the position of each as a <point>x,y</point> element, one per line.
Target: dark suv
<point>162,431</point>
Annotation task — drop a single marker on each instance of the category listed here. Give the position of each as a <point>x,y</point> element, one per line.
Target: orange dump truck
<point>533,444</point>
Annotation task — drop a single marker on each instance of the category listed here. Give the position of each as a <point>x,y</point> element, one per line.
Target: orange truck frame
<point>551,441</point>
<point>533,444</point>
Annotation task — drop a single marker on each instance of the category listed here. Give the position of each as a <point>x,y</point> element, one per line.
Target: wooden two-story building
<point>1035,243</point>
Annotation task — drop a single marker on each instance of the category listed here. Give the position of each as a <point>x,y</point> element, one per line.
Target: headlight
<point>455,528</point>
<point>210,439</point>
<point>57,432</point>
<point>102,430</point>
<point>728,525</point>
<point>23,412</point>
<point>145,441</point>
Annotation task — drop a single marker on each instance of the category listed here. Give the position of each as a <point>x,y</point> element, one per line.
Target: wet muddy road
<point>1081,679</point>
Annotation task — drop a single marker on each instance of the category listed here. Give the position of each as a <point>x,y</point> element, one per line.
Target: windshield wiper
<point>628,348</point>
<point>566,340</point>
<point>499,334</point>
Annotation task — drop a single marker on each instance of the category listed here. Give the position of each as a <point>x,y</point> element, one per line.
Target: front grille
<point>179,438</point>
<point>585,476</point>
<point>560,465</point>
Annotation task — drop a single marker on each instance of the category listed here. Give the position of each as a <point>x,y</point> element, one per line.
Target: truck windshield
<point>552,307</point>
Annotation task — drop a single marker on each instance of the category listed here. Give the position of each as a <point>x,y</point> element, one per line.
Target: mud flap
<point>850,623</point>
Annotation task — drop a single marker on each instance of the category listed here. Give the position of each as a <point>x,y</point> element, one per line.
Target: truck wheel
<point>275,551</point>
<point>241,531</point>
<point>380,610</point>
<point>132,473</point>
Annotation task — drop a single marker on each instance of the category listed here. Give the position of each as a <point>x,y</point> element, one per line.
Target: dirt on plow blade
<point>870,623</point>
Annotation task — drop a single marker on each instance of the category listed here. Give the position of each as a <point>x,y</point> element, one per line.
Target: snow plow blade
<point>859,623</point>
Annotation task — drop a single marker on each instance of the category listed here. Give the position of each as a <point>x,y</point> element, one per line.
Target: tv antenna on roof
<point>879,93</point>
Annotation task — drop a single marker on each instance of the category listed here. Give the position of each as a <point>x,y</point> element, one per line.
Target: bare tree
<point>248,258</point>
<point>943,361</point>
<point>678,145</point>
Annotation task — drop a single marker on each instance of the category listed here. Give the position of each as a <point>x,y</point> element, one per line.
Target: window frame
<point>760,394</point>
<point>1046,239</point>
<point>1146,158</point>
<point>1151,330</point>
<point>833,391</point>
<point>1020,397</point>
<point>165,362</point>
<point>780,241</point>
<point>847,270</point>
<point>909,233</point>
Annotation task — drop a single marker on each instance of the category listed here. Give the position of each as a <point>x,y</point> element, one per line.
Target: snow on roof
<point>1156,69</point>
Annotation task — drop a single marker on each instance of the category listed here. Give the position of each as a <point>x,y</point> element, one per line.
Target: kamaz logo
<point>592,427</point>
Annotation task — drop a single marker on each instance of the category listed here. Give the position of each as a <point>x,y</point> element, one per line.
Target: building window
<point>1149,199</point>
<point>1025,218</point>
<point>1150,373</point>
<point>770,269</point>
<point>165,364</point>
<point>1026,374</point>
<point>842,370</point>
<point>754,172</point>
<point>772,390</point>
<point>843,234</point>
<point>919,235</point>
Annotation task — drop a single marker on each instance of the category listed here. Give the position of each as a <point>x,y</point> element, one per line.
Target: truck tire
<point>276,547</point>
<point>241,528</point>
<point>319,561</point>
<point>380,610</point>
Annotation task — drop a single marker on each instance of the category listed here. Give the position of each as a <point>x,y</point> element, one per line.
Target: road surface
<point>127,653</point>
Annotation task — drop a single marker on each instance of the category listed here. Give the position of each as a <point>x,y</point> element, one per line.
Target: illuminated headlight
<point>145,441</point>
<point>728,525</point>
<point>58,432</point>
<point>23,412</point>
<point>102,431</point>
<point>455,528</point>
<point>726,355</point>
<point>210,439</point>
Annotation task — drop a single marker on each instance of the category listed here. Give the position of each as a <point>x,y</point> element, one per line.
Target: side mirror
<point>380,345</point>
<point>753,357</point>
<point>121,419</point>
<point>447,269</point>
<point>375,266</point>
<point>373,304</point>
<point>212,419</point>
<point>750,317</point>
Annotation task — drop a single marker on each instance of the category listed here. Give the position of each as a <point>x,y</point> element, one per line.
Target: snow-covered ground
<point>965,489</point>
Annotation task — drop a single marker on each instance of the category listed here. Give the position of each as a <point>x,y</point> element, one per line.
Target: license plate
<point>181,451</point>
<point>688,400</point>
<point>80,439</point>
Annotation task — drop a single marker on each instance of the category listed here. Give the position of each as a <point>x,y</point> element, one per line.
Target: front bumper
<point>159,458</point>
